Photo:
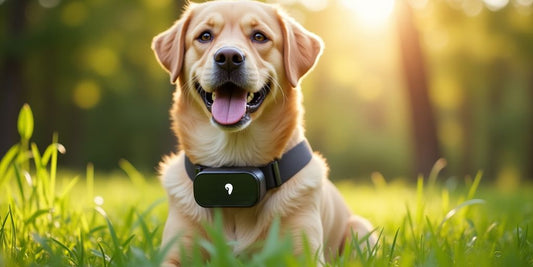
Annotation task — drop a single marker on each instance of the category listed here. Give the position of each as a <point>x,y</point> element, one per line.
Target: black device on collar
<point>244,186</point>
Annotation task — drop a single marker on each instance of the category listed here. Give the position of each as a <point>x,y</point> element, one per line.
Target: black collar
<point>277,171</point>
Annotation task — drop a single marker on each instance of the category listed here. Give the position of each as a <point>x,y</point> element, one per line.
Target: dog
<point>237,67</point>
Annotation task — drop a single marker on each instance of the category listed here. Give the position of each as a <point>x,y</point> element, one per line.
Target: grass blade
<point>393,247</point>
<point>136,177</point>
<point>117,254</point>
<point>6,161</point>
<point>105,258</point>
<point>475,184</point>
<point>69,187</point>
<point>454,211</point>
<point>53,171</point>
<point>18,177</point>
<point>81,248</point>
<point>90,181</point>
<point>36,215</point>
<point>13,234</point>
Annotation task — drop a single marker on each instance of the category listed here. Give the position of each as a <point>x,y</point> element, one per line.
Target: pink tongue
<point>229,106</point>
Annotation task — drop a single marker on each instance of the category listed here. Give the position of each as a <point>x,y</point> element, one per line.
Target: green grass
<point>52,217</point>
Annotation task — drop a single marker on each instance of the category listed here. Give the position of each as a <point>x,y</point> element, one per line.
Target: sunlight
<point>371,13</point>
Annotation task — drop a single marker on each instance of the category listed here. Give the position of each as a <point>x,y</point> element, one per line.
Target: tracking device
<point>229,187</point>
<point>244,186</point>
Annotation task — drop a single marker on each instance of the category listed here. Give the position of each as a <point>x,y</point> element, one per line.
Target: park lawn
<point>55,217</point>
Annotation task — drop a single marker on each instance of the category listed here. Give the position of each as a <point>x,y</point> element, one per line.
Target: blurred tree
<point>86,68</point>
<point>11,69</point>
<point>427,150</point>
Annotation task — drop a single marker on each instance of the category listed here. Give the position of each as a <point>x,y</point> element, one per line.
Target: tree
<point>423,121</point>
<point>11,71</point>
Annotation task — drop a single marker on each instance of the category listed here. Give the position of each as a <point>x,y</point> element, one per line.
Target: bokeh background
<point>401,83</point>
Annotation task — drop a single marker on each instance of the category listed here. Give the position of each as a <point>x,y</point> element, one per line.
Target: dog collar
<point>275,172</point>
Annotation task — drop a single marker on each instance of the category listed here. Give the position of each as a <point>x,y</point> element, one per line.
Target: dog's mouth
<point>231,105</point>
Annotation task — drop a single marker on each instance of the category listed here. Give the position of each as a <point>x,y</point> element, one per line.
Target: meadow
<point>51,216</point>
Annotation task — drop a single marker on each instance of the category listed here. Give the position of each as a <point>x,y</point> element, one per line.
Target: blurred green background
<point>400,84</point>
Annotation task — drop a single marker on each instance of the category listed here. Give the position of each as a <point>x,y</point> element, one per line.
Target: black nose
<point>229,58</point>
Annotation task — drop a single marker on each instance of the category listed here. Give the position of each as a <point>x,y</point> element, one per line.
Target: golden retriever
<point>237,66</point>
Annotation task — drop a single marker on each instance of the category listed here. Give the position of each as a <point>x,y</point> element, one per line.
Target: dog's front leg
<point>178,234</point>
<point>306,230</point>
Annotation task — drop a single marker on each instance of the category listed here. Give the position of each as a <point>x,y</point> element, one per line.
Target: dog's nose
<point>229,58</point>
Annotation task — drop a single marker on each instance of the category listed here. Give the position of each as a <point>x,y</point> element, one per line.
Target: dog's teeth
<point>250,97</point>
<point>214,96</point>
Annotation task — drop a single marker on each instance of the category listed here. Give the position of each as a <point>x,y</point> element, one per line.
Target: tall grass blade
<point>69,187</point>
<point>117,254</point>
<point>36,215</point>
<point>357,246</point>
<point>36,157</point>
<point>136,177</point>
<point>412,228</point>
<point>18,177</point>
<point>393,247</point>
<point>127,242</point>
<point>3,241</point>
<point>47,155</point>
<point>439,165</point>
<point>6,162</point>
<point>65,247</point>
<point>53,171</point>
<point>454,211</point>
<point>473,189</point>
<point>90,181</point>
<point>81,248</point>
<point>146,232</point>
<point>420,206</point>
<point>105,257</point>
<point>13,234</point>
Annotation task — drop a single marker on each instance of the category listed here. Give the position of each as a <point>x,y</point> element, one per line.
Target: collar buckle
<point>275,173</point>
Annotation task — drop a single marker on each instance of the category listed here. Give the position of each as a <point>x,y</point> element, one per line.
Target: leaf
<point>25,122</point>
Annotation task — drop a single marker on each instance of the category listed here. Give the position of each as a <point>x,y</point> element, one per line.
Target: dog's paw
<point>362,229</point>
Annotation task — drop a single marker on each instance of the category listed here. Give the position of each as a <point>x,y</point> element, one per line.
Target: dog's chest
<point>242,228</point>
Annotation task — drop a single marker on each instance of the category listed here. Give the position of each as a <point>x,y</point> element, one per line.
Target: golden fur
<point>308,203</point>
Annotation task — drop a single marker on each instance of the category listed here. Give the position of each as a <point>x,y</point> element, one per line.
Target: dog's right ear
<point>169,47</point>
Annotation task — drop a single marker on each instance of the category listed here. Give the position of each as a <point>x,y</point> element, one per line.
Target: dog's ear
<point>301,48</point>
<point>169,46</point>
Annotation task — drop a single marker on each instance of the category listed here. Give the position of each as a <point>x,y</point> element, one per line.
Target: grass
<point>51,217</point>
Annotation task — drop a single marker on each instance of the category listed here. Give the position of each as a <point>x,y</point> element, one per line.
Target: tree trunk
<point>11,74</point>
<point>423,122</point>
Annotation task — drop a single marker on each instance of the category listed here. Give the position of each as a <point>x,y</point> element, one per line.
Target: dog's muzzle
<point>230,103</point>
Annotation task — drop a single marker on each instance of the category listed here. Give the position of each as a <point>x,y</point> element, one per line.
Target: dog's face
<point>235,58</point>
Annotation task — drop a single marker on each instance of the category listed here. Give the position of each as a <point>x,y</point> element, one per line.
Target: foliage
<point>43,224</point>
<point>89,72</point>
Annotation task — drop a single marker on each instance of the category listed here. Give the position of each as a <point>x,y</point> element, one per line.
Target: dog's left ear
<point>301,48</point>
<point>169,47</point>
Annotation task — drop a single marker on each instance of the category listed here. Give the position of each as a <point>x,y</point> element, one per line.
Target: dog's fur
<point>308,203</point>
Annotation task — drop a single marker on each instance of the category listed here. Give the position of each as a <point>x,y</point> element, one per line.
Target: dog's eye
<point>205,37</point>
<point>259,37</point>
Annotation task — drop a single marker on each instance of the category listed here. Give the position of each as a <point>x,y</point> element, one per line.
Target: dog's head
<point>235,58</point>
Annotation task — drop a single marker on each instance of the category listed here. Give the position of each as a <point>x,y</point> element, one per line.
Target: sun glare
<point>371,12</point>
